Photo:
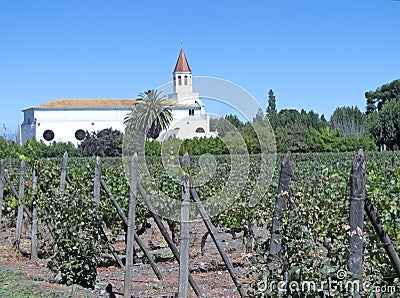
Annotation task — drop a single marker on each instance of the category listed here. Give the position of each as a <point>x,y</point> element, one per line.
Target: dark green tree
<point>106,142</point>
<point>222,125</point>
<point>92,145</point>
<point>350,121</point>
<point>385,125</point>
<point>377,98</point>
<point>312,120</point>
<point>233,119</point>
<point>250,137</point>
<point>112,140</point>
<point>271,109</point>
<point>259,118</point>
<point>289,116</point>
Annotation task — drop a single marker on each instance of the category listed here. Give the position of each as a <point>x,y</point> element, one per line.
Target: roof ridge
<point>73,103</point>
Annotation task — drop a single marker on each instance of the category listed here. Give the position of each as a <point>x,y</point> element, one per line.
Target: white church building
<point>68,119</point>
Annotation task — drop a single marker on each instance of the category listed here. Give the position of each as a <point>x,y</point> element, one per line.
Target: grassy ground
<point>14,284</point>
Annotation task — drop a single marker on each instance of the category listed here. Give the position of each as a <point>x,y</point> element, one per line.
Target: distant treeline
<point>348,129</point>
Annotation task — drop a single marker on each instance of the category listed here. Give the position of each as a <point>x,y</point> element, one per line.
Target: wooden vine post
<point>96,184</point>
<point>21,194</point>
<point>357,202</point>
<point>275,250</point>
<point>184,231</point>
<point>2,172</point>
<point>133,171</point>
<point>166,236</point>
<point>34,229</point>
<point>63,177</point>
<point>121,214</point>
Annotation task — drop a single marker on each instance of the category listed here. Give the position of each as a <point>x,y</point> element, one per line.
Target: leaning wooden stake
<point>131,226</point>
<point>16,195</point>
<point>96,199</point>
<point>214,235</point>
<point>275,251</point>
<point>166,236</point>
<point>20,214</point>
<point>34,229</point>
<point>384,238</point>
<point>121,214</point>
<point>357,201</point>
<point>110,247</point>
<point>184,231</point>
<point>2,171</point>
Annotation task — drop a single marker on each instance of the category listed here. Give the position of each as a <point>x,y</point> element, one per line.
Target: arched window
<point>48,135</point>
<point>185,80</point>
<point>179,80</point>
<point>200,130</point>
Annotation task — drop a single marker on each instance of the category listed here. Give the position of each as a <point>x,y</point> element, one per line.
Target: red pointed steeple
<point>182,65</point>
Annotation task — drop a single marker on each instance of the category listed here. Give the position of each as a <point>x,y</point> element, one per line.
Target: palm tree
<point>150,115</point>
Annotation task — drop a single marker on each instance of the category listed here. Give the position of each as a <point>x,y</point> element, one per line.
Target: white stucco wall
<point>182,82</point>
<point>65,122</point>
<point>65,131</point>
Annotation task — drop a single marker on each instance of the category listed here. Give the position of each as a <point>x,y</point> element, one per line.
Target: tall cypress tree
<point>271,109</point>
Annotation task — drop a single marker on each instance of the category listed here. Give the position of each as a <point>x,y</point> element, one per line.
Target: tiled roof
<point>71,103</point>
<point>182,65</point>
<point>87,103</point>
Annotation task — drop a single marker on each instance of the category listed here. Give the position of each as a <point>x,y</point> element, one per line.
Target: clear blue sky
<point>316,55</point>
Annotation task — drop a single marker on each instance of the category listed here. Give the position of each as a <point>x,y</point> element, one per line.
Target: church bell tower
<point>182,77</point>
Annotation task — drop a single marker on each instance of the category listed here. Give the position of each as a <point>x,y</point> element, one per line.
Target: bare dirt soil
<point>207,268</point>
